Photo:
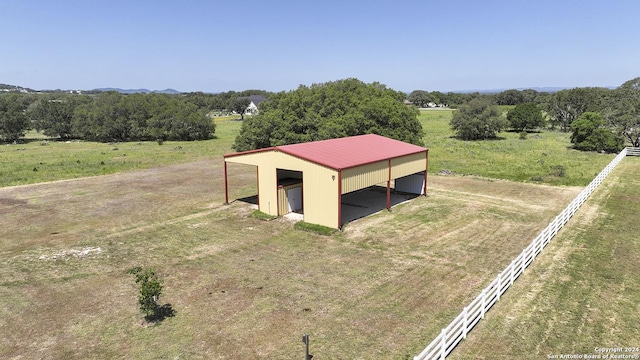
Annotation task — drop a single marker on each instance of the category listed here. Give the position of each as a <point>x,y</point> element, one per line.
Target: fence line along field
<point>458,329</point>
<point>584,292</point>
<point>243,287</point>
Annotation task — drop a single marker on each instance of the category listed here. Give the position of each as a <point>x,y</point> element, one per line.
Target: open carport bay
<point>368,201</point>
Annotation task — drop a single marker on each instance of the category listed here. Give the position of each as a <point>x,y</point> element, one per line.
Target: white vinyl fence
<point>458,329</point>
<point>633,151</point>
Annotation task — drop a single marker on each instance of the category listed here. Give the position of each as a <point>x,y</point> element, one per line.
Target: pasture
<point>536,159</point>
<point>247,288</point>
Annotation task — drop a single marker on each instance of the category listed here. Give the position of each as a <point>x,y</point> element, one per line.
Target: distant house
<point>252,109</point>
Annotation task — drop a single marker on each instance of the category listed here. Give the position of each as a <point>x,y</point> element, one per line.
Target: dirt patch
<point>75,253</point>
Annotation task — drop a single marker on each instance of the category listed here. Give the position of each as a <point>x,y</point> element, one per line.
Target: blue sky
<point>215,46</point>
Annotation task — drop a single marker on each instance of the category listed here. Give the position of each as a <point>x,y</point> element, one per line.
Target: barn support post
<point>426,170</point>
<point>258,186</point>
<point>389,188</point>
<point>226,185</point>
<point>340,199</point>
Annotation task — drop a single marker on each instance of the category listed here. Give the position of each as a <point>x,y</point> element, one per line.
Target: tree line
<point>608,117</point>
<point>600,119</point>
<point>111,116</point>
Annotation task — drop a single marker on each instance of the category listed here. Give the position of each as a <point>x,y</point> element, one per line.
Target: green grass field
<point>40,159</point>
<point>536,159</point>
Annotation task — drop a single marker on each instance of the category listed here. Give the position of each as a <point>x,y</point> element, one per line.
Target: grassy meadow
<point>244,287</point>
<point>40,159</point>
<point>544,157</point>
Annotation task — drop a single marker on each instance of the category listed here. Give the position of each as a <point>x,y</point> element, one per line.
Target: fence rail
<point>633,151</point>
<point>458,329</point>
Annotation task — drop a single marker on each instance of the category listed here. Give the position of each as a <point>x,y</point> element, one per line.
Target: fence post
<point>484,300</point>
<point>512,269</point>
<point>464,323</point>
<point>443,346</point>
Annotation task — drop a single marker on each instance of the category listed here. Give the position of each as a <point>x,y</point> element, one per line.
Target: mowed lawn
<point>583,293</point>
<point>247,288</point>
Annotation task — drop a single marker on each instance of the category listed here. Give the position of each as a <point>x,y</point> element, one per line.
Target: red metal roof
<point>347,152</point>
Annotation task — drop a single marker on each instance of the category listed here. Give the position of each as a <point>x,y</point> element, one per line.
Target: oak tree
<point>527,116</point>
<point>477,120</point>
<point>330,110</point>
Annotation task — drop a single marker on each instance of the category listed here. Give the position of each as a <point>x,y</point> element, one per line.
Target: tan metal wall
<point>283,198</point>
<point>320,197</point>
<point>375,173</point>
<point>364,176</point>
<point>407,165</point>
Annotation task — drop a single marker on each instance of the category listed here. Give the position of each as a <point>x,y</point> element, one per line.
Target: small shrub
<point>150,290</point>
<point>523,135</point>
<point>537,178</point>
<point>558,170</point>
<point>314,228</point>
<point>262,216</point>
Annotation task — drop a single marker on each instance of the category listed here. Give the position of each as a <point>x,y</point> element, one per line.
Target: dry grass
<point>583,292</point>
<point>242,287</point>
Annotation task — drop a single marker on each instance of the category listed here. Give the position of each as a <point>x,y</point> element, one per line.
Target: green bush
<point>479,119</point>
<point>150,290</point>
<point>314,228</point>
<point>262,216</point>
<point>525,116</point>
<point>591,134</point>
<point>558,170</point>
<point>523,135</point>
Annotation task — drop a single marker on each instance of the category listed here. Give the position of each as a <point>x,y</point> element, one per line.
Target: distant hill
<point>15,88</point>
<point>133,91</point>
<point>20,89</point>
<point>547,89</point>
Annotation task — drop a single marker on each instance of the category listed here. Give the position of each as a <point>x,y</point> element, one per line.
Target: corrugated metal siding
<point>255,158</point>
<point>321,203</point>
<point>413,184</point>
<point>283,199</point>
<point>407,165</point>
<point>364,176</point>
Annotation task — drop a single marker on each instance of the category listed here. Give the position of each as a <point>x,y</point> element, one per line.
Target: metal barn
<point>312,177</point>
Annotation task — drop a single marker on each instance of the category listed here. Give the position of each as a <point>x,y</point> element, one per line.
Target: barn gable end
<point>330,168</point>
